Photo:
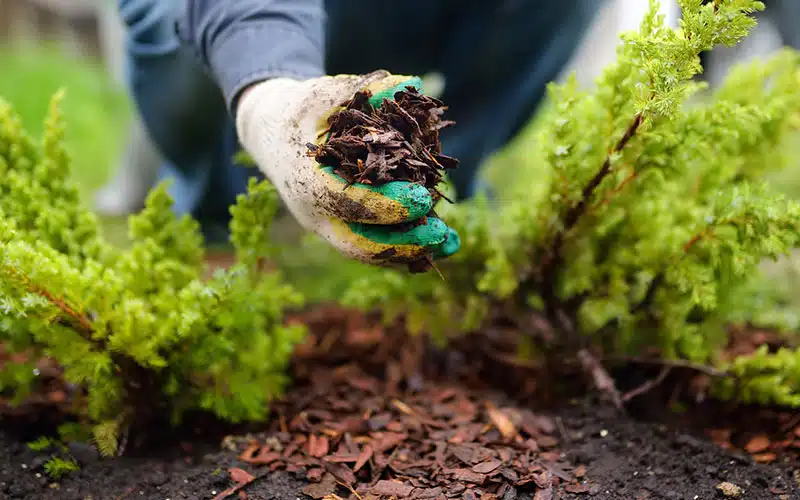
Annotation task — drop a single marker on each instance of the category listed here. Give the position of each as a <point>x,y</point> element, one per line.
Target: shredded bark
<point>374,422</point>
<point>424,443</point>
<point>398,141</point>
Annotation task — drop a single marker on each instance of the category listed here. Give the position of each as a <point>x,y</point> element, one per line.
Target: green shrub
<point>635,215</point>
<point>140,331</point>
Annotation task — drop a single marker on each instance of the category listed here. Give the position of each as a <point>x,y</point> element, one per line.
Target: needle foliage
<point>141,332</point>
<point>634,214</point>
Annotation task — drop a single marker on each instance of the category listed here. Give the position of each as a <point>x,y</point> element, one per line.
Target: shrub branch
<point>79,321</point>
<point>552,262</point>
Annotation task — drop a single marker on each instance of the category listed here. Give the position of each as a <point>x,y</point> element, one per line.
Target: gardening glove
<point>277,118</point>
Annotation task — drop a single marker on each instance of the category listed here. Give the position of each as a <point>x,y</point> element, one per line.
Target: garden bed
<point>387,415</point>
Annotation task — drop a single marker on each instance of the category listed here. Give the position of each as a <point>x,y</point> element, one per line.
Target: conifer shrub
<point>635,215</point>
<point>141,332</point>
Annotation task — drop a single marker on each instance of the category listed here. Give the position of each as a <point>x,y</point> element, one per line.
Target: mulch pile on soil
<point>373,414</point>
<point>403,435</point>
<point>383,416</point>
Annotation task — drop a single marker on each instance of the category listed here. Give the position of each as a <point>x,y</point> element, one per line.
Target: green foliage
<point>57,467</point>
<point>764,377</point>
<point>41,444</point>
<point>635,214</point>
<point>140,330</point>
<point>74,432</point>
<point>244,159</point>
<point>771,300</point>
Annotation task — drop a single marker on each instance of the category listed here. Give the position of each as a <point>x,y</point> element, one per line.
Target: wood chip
<point>318,446</point>
<point>327,486</point>
<point>577,488</point>
<point>240,476</point>
<point>757,444</point>
<point>547,441</point>
<point>501,421</point>
<point>428,493</point>
<point>765,458</point>
<point>341,472</point>
<point>544,494</point>
<point>487,467</point>
<point>404,408</point>
<point>543,479</point>
<point>363,457</point>
<point>392,488</point>
<point>263,457</point>
<point>468,476</point>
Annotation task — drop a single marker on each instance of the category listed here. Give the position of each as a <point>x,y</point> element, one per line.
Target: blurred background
<point>75,44</point>
<point>78,45</point>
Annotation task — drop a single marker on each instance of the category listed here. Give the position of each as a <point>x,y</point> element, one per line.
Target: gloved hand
<point>277,118</point>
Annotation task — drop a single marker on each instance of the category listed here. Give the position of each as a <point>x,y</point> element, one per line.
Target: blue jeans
<point>496,58</point>
<point>786,16</point>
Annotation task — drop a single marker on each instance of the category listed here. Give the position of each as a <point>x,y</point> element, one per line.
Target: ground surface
<point>372,415</point>
<point>624,459</point>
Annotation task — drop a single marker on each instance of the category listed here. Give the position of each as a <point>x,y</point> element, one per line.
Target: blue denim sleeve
<point>241,42</point>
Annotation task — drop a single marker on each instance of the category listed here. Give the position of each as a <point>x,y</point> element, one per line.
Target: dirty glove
<point>276,119</point>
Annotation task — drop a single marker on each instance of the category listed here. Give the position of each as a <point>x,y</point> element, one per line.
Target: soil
<point>356,383</point>
<point>623,459</point>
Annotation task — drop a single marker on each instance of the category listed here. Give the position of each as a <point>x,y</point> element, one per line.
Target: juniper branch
<point>552,261</point>
<point>80,321</point>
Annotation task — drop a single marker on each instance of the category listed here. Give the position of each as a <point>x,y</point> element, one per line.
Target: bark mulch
<point>397,141</point>
<point>374,415</point>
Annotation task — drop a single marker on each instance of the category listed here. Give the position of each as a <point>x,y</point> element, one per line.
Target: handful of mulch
<point>399,141</point>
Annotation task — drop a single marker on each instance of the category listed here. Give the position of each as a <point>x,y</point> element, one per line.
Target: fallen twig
<point>671,363</point>
<point>600,376</point>
<point>350,488</point>
<point>647,386</point>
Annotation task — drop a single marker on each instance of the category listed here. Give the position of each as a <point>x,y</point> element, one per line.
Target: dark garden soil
<point>374,414</point>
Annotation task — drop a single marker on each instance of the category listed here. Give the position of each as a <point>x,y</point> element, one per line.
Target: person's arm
<point>242,42</point>
<point>267,57</point>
